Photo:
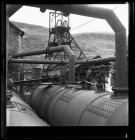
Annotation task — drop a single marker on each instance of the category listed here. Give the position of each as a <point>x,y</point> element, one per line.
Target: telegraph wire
<point>91,20</point>
<point>83,24</point>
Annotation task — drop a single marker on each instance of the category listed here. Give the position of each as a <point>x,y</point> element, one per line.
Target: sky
<point>32,15</point>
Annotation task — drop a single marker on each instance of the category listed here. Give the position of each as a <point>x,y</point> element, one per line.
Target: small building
<point>14,43</point>
<point>14,39</point>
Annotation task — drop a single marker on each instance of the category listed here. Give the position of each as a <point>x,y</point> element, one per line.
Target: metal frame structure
<point>61,35</point>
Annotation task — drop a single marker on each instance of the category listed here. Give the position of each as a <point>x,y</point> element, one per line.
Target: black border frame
<point>67,132</point>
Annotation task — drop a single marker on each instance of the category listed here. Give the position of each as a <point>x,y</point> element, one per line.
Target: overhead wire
<point>91,20</point>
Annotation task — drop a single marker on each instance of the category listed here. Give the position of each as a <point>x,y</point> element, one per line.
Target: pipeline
<point>61,62</point>
<point>32,81</point>
<point>35,61</point>
<point>43,81</point>
<point>44,51</point>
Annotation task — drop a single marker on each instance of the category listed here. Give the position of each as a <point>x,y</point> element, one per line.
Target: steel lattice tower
<point>59,35</point>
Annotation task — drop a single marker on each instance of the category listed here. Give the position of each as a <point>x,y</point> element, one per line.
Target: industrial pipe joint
<point>71,64</point>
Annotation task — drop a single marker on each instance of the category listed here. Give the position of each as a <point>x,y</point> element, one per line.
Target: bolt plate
<point>104,106</point>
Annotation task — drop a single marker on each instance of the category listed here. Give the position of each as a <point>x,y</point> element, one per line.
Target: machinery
<point>70,99</point>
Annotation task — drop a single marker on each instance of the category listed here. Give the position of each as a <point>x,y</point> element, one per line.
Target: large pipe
<point>16,83</point>
<point>37,52</point>
<point>87,61</point>
<point>93,61</point>
<point>35,61</point>
<point>71,64</point>
<point>64,48</point>
<point>44,51</point>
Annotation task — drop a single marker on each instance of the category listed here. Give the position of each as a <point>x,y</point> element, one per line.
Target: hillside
<point>31,29</point>
<point>35,38</point>
<point>92,44</point>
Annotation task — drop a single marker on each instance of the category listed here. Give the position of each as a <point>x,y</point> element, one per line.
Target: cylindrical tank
<point>40,98</point>
<point>62,106</point>
<point>21,114</point>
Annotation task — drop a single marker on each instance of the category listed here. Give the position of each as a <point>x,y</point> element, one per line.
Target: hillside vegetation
<point>92,44</point>
<point>36,37</point>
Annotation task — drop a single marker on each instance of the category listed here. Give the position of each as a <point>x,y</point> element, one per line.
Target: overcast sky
<point>33,16</point>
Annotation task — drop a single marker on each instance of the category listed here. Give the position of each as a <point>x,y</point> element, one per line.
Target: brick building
<point>14,39</point>
<point>14,43</point>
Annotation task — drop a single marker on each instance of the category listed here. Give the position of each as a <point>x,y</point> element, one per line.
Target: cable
<point>83,24</point>
<point>90,20</point>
